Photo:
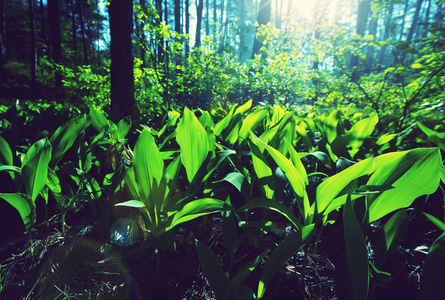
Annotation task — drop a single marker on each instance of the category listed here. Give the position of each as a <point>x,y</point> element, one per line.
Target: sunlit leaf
<point>436,221</point>
<point>5,153</point>
<point>98,120</point>
<point>193,141</point>
<point>250,123</point>
<point>412,174</point>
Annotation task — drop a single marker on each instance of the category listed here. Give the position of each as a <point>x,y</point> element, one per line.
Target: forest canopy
<point>377,56</point>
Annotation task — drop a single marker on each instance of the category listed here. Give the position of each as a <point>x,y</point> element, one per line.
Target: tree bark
<point>56,38</point>
<point>371,49</point>
<point>199,8</point>
<point>178,16</point>
<point>2,41</point>
<point>387,25</point>
<point>43,29</point>
<point>73,28</point>
<point>82,33</point>
<point>187,27</point>
<point>33,51</point>
<point>364,6</point>
<point>121,46</point>
<point>264,14</point>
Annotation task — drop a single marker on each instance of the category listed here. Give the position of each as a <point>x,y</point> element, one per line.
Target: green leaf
<point>250,123</point>
<point>193,141</point>
<point>10,168</point>
<point>64,138</point>
<point>131,203</point>
<point>148,169</point>
<point>98,120</point>
<point>245,271</point>
<point>433,136</point>
<point>391,236</point>
<point>262,170</point>
<point>436,221</point>
<point>331,187</point>
<point>412,174</point>
<point>243,108</point>
<point>25,206</point>
<point>35,167</point>
<point>123,127</point>
<point>197,208</point>
<point>272,205</point>
<point>356,254</point>
<point>288,247</point>
<point>433,275</point>
<point>5,153</point>
<point>236,179</point>
<point>213,271</point>
<point>292,174</point>
<point>221,125</point>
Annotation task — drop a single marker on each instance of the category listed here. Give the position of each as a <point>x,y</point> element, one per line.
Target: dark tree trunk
<point>82,33</point>
<point>187,27</point>
<point>364,6</point>
<point>121,46</point>
<point>73,27</point>
<point>56,38</point>
<point>143,4</point>
<point>208,18</point>
<point>178,16</point>
<point>264,14</point>
<point>413,27</point>
<point>199,8</point>
<point>371,49</point>
<point>386,25</point>
<point>403,20</point>
<point>2,41</point>
<point>43,29</point>
<point>33,51</point>
<point>215,16</point>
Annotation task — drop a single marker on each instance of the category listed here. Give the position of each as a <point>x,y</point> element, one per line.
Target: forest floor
<point>84,264</point>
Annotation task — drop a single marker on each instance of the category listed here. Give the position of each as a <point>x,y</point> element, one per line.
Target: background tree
<point>121,46</point>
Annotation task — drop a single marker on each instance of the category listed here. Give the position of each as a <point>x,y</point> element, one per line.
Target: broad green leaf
<point>148,168</point>
<point>433,136</point>
<point>236,179</point>
<point>98,120</point>
<point>24,205</point>
<point>64,138</point>
<point>5,153</point>
<point>436,221</point>
<point>307,141</point>
<point>391,236</point>
<point>53,182</point>
<point>197,208</point>
<point>262,170</point>
<point>123,127</point>
<point>213,271</point>
<point>296,161</point>
<point>10,168</point>
<point>329,125</point>
<point>294,177</point>
<point>221,125</point>
<point>386,138</point>
<point>243,108</point>
<point>412,174</point>
<point>356,254</point>
<point>230,233</point>
<point>131,203</point>
<point>193,141</point>
<point>35,167</point>
<point>331,187</point>
<point>288,247</point>
<point>433,275</point>
<point>278,113</point>
<point>272,205</point>
<point>250,123</point>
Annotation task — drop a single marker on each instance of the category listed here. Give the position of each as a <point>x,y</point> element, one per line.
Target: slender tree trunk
<point>187,27</point>
<point>178,16</point>
<point>73,28</point>
<point>143,4</point>
<point>2,41</point>
<point>413,27</point>
<point>402,27</point>
<point>371,49</point>
<point>165,12</point>
<point>426,19</point>
<point>121,46</point>
<point>386,26</point>
<point>264,14</point>
<point>33,50</point>
<point>199,9</point>
<point>44,33</point>
<point>364,6</point>
<point>207,18</point>
<point>82,33</point>
<point>215,16</point>
<point>56,38</point>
